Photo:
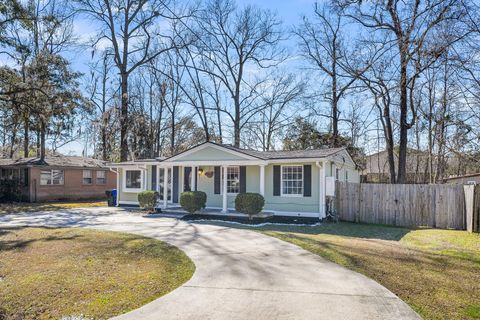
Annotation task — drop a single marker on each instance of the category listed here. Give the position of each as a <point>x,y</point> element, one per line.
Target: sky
<point>288,11</point>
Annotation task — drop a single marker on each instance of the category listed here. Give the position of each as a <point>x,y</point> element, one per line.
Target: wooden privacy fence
<point>407,205</point>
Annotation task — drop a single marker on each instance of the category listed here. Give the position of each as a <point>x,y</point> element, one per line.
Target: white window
<point>133,180</point>
<point>337,173</point>
<point>51,177</point>
<point>233,180</point>
<point>87,177</point>
<point>346,175</point>
<point>292,181</point>
<point>101,177</point>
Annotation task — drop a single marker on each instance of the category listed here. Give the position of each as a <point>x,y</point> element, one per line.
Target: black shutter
<point>216,178</point>
<point>196,178</point>
<point>243,179</point>
<point>276,180</point>
<point>307,180</point>
<point>186,179</point>
<point>154,178</point>
<point>175,184</point>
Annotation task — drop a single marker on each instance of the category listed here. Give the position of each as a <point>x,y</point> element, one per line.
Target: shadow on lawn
<point>19,243</point>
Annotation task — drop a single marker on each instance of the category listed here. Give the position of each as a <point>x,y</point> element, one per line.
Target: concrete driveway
<point>240,274</point>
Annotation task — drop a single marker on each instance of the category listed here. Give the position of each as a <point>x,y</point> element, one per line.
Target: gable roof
<point>288,154</point>
<point>266,155</point>
<point>55,161</point>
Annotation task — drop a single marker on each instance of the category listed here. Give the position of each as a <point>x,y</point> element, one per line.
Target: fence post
<point>469,206</point>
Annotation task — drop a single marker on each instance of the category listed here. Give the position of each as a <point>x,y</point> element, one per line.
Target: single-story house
<point>293,183</point>
<point>471,178</point>
<point>377,168</point>
<point>59,177</point>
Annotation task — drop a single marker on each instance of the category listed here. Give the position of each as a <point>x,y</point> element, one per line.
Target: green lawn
<point>54,273</point>
<point>437,272</point>
<point>6,208</point>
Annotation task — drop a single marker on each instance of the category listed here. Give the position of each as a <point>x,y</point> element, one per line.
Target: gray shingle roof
<point>290,154</point>
<point>56,161</point>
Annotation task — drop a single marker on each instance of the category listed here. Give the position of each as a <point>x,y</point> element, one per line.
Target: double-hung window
<point>51,177</point>
<point>292,180</point>
<point>101,177</point>
<point>87,177</point>
<point>133,179</point>
<point>233,180</point>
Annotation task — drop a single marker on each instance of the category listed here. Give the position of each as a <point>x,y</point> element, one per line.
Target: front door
<point>161,183</point>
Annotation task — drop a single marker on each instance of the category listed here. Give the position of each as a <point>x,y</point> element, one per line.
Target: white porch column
<point>165,187</point>
<point>322,200</point>
<point>224,203</point>
<point>194,179</point>
<point>262,180</point>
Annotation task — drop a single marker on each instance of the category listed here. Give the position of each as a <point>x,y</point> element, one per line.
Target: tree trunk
<point>334,97</point>
<point>42,140</point>
<point>172,134</point>
<point>124,118</point>
<point>402,153</point>
<point>26,137</point>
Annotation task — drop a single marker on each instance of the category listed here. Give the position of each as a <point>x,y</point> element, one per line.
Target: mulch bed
<point>254,221</point>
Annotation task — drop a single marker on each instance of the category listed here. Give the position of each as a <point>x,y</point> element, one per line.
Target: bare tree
<point>131,29</point>
<point>236,43</point>
<point>278,99</point>
<point>408,24</point>
<point>322,43</point>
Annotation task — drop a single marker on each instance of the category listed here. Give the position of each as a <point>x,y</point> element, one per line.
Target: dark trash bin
<point>111,197</point>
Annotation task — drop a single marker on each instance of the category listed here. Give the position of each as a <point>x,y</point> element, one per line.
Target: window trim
<point>124,181</point>
<point>104,178</point>
<point>83,177</point>
<point>221,181</point>
<point>297,195</point>
<point>51,178</point>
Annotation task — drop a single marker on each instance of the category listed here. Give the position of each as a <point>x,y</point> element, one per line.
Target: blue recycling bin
<point>114,196</point>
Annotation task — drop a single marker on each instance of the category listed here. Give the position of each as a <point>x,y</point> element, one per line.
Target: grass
<point>437,272</point>
<point>8,208</point>
<point>54,273</point>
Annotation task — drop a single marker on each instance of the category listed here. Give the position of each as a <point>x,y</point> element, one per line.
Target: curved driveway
<point>240,274</point>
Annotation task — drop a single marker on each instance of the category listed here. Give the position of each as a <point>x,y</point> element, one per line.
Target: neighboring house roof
<point>378,162</point>
<point>469,175</point>
<point>55,161</point>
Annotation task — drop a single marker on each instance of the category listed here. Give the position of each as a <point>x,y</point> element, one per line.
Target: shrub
<point>249,203</point>
<point>193,201</point>
<point>148,200</point>
<point>10,190</point>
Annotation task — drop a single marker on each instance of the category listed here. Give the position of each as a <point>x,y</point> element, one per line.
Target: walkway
<point>240,274</point>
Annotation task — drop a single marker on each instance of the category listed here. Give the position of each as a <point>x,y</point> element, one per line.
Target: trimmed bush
<point>249,203</point>
<point>193,201</point>
<point>148,200</point>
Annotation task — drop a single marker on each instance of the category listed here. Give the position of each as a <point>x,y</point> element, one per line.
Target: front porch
<point>221,183</point>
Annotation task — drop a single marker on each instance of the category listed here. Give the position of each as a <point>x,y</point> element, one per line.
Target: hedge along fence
<point>406,205</point>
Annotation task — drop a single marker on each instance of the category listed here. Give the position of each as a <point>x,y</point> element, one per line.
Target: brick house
<point>59,177</point>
